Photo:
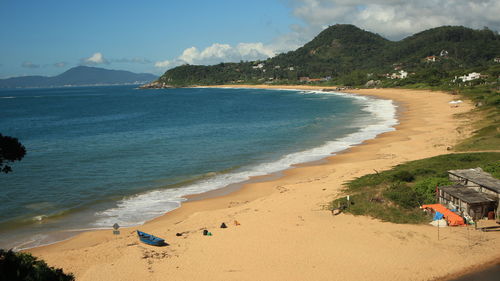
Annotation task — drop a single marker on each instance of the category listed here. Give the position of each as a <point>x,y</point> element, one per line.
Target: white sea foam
<point>137,209</point>
<point>39,218</point>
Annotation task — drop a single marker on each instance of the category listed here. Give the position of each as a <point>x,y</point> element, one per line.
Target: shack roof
<point>478,176</point>
<point>466,194</point>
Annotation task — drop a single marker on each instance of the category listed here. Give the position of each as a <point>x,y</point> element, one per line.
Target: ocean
<point>103,155</point>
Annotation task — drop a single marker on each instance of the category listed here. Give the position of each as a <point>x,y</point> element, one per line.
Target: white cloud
<point>96,58</point>
<point>396,19</point>
<point>217,53</point>
<point>255,50</point>
<point>189,55</point>
<point>163,64</point>
<point>28,64</point>
<point>60,64</point>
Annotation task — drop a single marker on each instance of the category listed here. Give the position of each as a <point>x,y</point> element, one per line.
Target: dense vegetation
<point>351,56</point>
<point>396,194</point>
<point>10,150</point>
<point>25,267</point>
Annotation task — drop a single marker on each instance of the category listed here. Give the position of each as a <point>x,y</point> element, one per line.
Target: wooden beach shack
<point>475,194</point>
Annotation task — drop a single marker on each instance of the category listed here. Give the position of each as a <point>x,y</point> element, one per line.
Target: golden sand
<point>285,233</point>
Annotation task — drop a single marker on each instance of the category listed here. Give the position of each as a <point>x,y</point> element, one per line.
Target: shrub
<point>426,188</point>
<point>366,180</point>
<point>25,267</point>
<point>424,172</point>
<point>403,195</point>
<point>403,176</point>
<point>467,158</point>
<point>493,168</point>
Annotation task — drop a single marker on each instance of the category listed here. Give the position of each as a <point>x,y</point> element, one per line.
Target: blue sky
<point>43,33</point>
<point>50,36</point>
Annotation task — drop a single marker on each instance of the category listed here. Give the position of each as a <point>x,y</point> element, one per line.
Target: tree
<point>10,150</point>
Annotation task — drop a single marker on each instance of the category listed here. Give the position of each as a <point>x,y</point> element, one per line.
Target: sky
<point>47,37</point>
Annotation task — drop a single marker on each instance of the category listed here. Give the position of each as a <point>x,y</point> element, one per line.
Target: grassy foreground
<point>25,267</point>
<point>395,195</point>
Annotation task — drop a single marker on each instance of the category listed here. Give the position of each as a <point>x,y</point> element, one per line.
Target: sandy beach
<point>285,231</point>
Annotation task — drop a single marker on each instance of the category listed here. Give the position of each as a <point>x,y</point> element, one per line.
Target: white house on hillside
<point>431,59</point>
<point>401,75</point>
<point>469,77</point>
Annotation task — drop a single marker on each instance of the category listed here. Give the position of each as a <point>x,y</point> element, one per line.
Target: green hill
<point>352,56</point>
<point>464,45</point>
<point>337,50</point>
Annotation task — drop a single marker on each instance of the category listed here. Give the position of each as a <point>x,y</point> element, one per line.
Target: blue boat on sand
<point>151,239</point>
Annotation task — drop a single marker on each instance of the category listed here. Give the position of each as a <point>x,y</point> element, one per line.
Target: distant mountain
<point>345,50</point>
<point>79,76</point>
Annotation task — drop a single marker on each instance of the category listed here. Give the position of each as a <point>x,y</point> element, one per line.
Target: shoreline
<point>317,184</point>
<point>66,234</point>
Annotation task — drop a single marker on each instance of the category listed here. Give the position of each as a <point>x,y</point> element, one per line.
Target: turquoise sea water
<point>100,155</point>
